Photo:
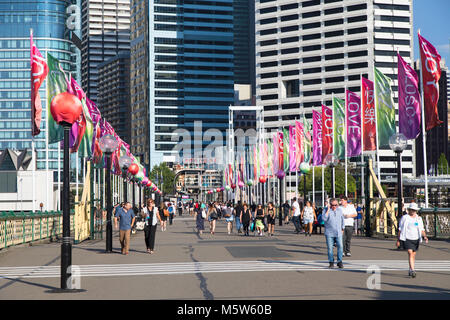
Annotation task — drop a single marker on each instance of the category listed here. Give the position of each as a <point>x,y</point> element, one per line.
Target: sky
<point>432,17</point>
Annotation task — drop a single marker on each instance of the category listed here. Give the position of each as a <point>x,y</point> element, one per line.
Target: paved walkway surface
<point>186,265</point>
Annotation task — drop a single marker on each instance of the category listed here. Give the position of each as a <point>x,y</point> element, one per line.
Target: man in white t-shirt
<point>295,208</point>
<point>350,213</point>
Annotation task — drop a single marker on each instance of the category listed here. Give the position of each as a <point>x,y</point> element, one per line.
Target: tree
<point>168,177</point>
<point>442,164</point>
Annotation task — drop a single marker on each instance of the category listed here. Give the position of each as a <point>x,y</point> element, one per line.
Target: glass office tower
<point>181,72</point>
<point>47,18</point>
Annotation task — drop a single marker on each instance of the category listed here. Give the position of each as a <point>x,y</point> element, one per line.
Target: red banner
<point>431,73</point>
<point>369,120</point>
<point>39,70</point>
<point>327,131</point>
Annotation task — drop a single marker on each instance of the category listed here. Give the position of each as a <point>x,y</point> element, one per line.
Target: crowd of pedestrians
<point>339,217</point>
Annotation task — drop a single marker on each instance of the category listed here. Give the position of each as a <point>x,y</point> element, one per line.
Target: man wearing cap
<point>411,231</point>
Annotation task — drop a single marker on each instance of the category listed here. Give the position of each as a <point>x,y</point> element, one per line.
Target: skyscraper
<point>105,32</point>
<point>48,21</point>
<point>181,72</point>
<point>306,51</point>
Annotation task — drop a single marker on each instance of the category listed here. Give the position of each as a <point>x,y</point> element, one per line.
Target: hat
<point>413,206</point>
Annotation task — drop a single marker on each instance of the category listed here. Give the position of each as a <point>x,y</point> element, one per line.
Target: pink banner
<point>292,149</point>
<point>353,114</point>
<point>327,131</point>
<point>408,100</point>
<point>276,151</point>
<point>317,138</point>
<point>299,135</point>
<point>368,109</point>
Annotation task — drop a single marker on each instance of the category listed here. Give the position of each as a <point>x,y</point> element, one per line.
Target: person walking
<point>229,218</point>
<point>259,218</point>
<point>212,217</point>
<point>271,219</point>
<point>349,212</point>
<point>411,232</point>
<point>151,216</point>
<point>171,209</point>
<point>308,216</point>
<point>126,218</point>
<point>164,214</point>
<point>334,227</point>
<point>286,209</point>
<point>245,218</point>
<point>295,208</point>
<point>358,220</point>
<point>237,216</point>
<point>200,216</point>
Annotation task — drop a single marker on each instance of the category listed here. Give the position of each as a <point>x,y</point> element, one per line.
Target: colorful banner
<point>339,128</point>
<point>327,131</point>
<point>409,112</point>
<point>353,111</point>
<point>385,109</point>
<point>317,138</point>
<point>431,73</point>
<point>276,152</point>
<point>285,149</point>
<point>307,157</point>
<point>292,149</point>
<point>56,84</point>
<point>299,135</point>
<point>270,170</point>
<point>369,117</point>
<point>39,70</point>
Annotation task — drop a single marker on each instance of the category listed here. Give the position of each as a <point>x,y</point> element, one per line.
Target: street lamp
<point>108,144</point>
<point>397,143</point>
<point>280,175</point>
<point>66,108</point>
<point>332,161</point>
<point>124,162</point>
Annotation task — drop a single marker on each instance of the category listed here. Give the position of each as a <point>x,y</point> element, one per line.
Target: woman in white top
<point>151,216</point>
<point>308,216</point>
<point>411,231</point>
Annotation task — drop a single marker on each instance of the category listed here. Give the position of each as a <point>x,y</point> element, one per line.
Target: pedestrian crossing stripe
<point>112,270</point>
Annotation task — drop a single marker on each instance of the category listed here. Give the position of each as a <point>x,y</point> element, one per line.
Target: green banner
<point>85,149</point>
<point>285,149</point>
<point>384,105</point>
<point>56,84</point>
<point>339,128</point>
<point>306,140</point>
<point>269,157</point>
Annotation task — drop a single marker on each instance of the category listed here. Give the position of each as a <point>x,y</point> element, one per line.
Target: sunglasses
<point>334,205</point>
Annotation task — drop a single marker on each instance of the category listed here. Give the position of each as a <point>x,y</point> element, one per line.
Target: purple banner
<point>408,100</point>
<point>353,111</point>
<point>317,138</point>
<point>292,151</point>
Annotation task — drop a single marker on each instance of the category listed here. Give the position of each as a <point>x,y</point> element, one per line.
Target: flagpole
<point>345,136</point>
<point>323,169</point>
<point>362,138</point>
<point>34,174</point>
<point>59,177</point>
<point>46,148</point>
<point>424,133</point>
<point>334,151</point>
<point>313,187</point>
<point>376,122</point>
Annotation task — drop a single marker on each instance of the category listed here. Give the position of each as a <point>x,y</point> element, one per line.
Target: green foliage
<point>168,178</point>
<point>339,185</point>
<point>442,164</point>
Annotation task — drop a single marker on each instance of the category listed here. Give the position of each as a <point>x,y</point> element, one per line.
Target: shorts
<point>306,221</point>
<point>270,220</point>
<point>411,245</point>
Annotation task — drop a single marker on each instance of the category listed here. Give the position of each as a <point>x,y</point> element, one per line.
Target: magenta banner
<point>409,116</point>
<point>317,138</point>
<point>292,149</point>
<point>353,111</point>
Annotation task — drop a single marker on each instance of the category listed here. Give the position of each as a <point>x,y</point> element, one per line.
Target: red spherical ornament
<point>133,169</point>
<point>262,179</point>
<point>66,108</point>
<point>233,186</point>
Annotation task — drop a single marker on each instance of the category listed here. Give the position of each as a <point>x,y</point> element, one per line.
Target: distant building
<point>114,93</point>
<point>437,138</point>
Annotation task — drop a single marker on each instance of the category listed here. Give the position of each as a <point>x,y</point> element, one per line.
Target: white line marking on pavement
<point>109,270</point>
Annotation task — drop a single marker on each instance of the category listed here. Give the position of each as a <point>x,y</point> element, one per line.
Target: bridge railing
<point>23,227</point>
<point>436,222</point>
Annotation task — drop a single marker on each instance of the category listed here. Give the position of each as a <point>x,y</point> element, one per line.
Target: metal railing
<point>436,222</point>
<point>22,227</point>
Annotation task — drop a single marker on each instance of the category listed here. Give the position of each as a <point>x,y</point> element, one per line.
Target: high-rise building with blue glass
<point>47,18</point>
<point>181,72</point>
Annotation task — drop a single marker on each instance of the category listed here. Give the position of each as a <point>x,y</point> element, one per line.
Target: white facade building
<point>308,50</point>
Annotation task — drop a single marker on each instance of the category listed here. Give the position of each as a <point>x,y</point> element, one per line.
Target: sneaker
<point>413,274</point>
<point>340,265</point>
<point>348,254</point>
<point>331,265</point>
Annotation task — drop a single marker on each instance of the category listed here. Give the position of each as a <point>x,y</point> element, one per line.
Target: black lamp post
<point>398,143</point>
<point>124,162</point>
<point>280,175</point>
<point>108,144</point>
<point>66,109</point>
